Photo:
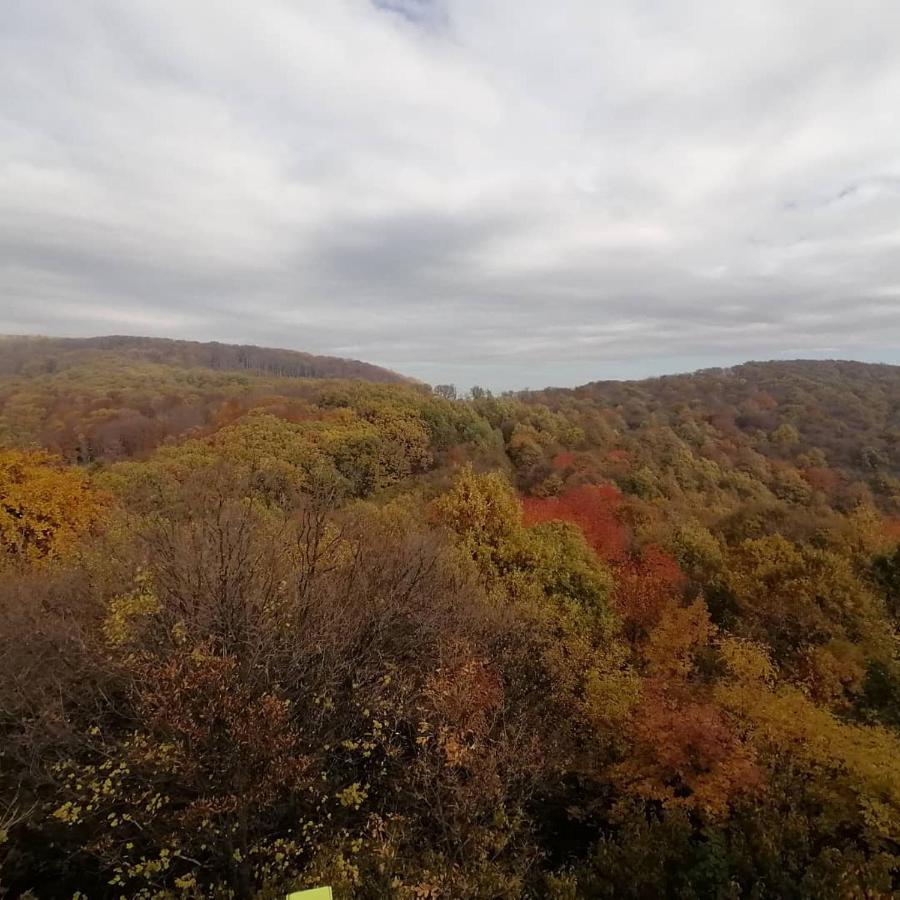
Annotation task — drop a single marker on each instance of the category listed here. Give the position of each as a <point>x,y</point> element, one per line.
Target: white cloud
<point>534,192</point>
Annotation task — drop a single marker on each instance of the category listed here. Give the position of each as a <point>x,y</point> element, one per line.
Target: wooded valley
<point>270,621</point>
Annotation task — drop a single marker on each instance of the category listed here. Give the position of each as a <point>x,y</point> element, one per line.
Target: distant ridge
<point>33,354</point>
<point>849,409</point>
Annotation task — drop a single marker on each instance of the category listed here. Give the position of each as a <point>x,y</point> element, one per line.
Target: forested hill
<point>849,412</point>
<point>34,355</point>
<point>633,640</point>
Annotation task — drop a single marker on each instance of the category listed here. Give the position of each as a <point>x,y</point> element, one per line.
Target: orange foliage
<point>646,584</point>
<point>457,455</point>
<point>564,460</point>
<point>763,400</point>
<point>686,754</point>
<point>229,412</point>
<point>645,587</point>
<point>593,508</point>
<point>822,479</point>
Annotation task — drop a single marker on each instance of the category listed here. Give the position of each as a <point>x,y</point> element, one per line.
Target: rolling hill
<point>261,630</point>
<point>36,355</point>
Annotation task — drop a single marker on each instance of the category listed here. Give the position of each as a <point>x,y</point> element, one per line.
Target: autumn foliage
<point>45,506</point>
<point>593,508</point>
<point>261,632</point>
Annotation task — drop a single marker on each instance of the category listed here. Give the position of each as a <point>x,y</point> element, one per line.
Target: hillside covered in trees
<point>33,355</point>
<point>261,631</point>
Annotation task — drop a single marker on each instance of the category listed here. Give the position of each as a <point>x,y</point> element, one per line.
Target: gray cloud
<point>469,190</point>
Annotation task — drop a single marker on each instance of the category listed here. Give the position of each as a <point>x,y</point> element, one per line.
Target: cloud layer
<point>508,193</point>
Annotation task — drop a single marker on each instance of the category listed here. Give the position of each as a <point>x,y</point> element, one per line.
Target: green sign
<point>312,894</point>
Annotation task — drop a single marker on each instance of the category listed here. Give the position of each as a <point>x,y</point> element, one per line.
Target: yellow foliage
<point>125,611</point>
<point>836,672</point>
<point>610,696</point>
<point>746,660</point>
<point>671,644</point>
<point>484,512</point>
<point>45,506</point>
<point>353,796</point>
<point>842,755</point>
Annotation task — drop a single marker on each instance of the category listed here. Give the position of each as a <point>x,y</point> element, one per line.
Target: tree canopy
<point>260,632</point>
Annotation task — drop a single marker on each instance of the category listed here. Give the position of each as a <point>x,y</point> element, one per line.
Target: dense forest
<point>33,355</point>
<point>268,623</point>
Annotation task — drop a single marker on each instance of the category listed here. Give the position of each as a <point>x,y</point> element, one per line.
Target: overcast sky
<point>512,193</point>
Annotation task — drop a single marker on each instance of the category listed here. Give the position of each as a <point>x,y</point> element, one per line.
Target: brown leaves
<point>465,697</point>
<point>231,745</point>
